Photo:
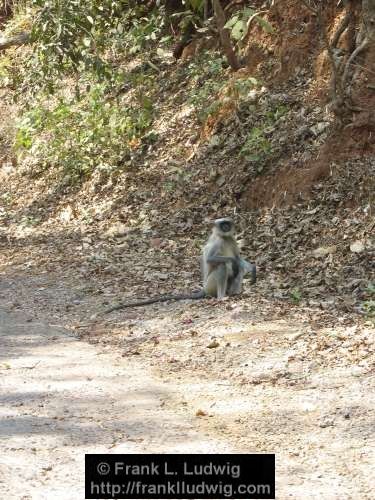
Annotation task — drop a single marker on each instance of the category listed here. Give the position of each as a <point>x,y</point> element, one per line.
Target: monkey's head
<point>224,227</point>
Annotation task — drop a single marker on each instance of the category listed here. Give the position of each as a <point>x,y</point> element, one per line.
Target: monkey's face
<point>224,226</point>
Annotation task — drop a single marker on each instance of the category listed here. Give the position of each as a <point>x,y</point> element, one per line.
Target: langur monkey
<point>223,268</point>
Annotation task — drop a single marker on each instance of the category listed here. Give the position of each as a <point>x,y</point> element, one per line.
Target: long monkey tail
<point>163,298</point>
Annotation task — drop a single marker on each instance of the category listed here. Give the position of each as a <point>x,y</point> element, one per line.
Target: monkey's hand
<point>235,266</point>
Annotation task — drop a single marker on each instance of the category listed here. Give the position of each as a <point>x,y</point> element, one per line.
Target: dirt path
<point>62,398</point>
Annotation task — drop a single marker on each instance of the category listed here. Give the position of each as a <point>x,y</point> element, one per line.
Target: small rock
<point>253,95</point>
<point>7,168</point>
<point>323,251</point>
<point>326,422</point>
<point>214,141</point>
<point>327,304</point>
<point>117,229</point>
<point>66,214</point>
<point>357,246</point>
<point>319,128</point>
<point>220,181</point>
<point>155,242</point>
<point>296,336</point>
<point>162,276</point>
<point>213,344</point>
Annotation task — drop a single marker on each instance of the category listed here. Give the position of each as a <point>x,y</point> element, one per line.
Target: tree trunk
<point>368,14</point>
<point>224,36</point>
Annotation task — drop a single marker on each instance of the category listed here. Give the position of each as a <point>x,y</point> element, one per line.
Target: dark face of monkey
<point>224,226</point>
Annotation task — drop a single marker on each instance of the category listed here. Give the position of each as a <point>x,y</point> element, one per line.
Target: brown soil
<point>290,185</point>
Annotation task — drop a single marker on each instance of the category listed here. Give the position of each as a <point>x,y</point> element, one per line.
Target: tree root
<point>349,62</point>
<point>20,39</point>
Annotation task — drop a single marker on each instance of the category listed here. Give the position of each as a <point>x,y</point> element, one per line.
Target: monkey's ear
<point>209,222</point>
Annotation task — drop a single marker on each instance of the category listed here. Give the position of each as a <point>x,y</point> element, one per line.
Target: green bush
<point>79,135</point>
<point>207,77</point>
<point>257,148</point>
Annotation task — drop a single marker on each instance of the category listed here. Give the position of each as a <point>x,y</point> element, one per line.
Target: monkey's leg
<point>222,282</point>
<point>221,276</point>
<point>217,280</point>
<point>235,283</point>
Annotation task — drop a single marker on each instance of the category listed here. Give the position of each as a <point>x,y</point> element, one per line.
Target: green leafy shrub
<point>238,24</point>
<point>135,31</point>
<point>87,36</point>
<point>207,77</point>
<point>80,135</point>
<point>70,85</point>
<point>369,309</point>
<point>368,306</point>
<point>296,295</point>
<point>257,147</point>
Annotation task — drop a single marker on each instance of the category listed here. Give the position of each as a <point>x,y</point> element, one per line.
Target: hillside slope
<point>260,143</point>
<point>288,366</point>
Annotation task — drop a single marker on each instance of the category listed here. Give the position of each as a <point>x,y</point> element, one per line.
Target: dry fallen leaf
<point>201,413</point>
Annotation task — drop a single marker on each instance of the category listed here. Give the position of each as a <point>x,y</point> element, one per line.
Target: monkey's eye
<point>225,226</point>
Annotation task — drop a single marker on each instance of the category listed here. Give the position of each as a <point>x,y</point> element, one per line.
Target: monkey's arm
<point>235,262</point>
<point>219,259</point>
<point>163,298</point>
<point>213,258</point>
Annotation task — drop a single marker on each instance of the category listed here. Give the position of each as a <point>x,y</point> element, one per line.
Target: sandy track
<point>62,398</point>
